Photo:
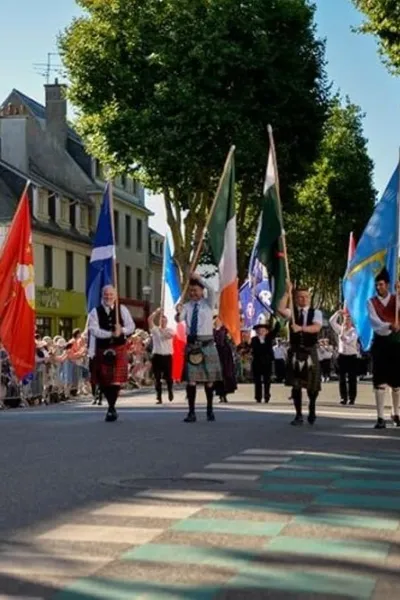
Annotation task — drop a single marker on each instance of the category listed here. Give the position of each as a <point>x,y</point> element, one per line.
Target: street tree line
<point>163,88</point>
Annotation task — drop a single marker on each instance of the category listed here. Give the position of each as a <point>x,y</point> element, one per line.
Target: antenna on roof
<point>47,69</point>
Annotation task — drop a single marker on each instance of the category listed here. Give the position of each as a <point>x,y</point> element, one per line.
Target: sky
<point>29,32</point>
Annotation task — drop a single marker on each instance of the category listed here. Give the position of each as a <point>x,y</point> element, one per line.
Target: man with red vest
<point>385,348</point>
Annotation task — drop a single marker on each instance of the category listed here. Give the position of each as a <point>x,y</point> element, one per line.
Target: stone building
<point>37,143</point>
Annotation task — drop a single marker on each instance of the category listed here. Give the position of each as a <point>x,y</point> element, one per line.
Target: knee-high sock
<point>380,396</point>
<point>111,393</point>
<point>396,401</point>
<point>191,396</point>
<point>209,390</point>
<point>296,396</point>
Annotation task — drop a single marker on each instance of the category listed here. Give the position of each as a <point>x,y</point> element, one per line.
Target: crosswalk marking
<point>182,495</point>
<point>26,564</point>
<point>243,467</point>
<point>255,458</point>
<point>223,476</point>
<point>158,511</point>
<point>97,533</point>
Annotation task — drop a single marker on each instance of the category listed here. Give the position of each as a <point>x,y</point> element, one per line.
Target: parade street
<point>245,507</point>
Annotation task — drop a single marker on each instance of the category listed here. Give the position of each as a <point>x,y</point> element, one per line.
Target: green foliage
<point>336,198</point>
<point>169,85</point>
<point>383,21</point>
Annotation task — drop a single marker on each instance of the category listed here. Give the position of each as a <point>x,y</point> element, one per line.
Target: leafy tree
<point>164,87</point>
<point>383,20</point>
<point>336,198</point>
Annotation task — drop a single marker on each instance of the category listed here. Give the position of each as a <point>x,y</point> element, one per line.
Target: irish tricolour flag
<point>171,295</point>
<point>222,240</point>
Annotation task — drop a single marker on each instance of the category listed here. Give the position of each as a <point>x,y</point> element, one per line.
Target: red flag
<point>17,292</point>
<point>352,248</point>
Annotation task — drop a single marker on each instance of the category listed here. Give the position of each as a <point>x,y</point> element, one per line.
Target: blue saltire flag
<point>377,248</point>
<point>258,278</point>
<point>101,271</point>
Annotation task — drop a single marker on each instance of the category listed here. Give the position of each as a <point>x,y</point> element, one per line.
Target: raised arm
<point>128,324</point>
<point>283,306</point>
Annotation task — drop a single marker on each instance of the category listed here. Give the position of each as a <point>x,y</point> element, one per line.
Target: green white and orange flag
<point>222,242</point>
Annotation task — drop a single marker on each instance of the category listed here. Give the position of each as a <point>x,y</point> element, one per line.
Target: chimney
<point>56,112</point>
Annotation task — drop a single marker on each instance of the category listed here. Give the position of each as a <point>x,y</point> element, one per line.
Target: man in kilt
<point>201,357</point>
<point>385,348</point>
<point>303,368</point>
<point>109,367</point>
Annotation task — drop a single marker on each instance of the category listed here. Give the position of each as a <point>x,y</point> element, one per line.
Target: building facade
<point>36,143</point>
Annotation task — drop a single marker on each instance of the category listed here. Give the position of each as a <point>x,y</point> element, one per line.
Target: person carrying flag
<point>202,363</point>
<point>303,368</point>
<point>109,325</point>
<point>385,348</point>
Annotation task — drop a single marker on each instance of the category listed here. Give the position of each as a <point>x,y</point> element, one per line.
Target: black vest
<point>307,340</point>
<point>107,322</point>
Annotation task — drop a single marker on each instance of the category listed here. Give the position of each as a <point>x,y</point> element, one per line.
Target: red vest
<point>385,313</point>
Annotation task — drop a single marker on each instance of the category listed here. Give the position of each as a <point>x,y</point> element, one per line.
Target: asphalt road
<point>246,507</point>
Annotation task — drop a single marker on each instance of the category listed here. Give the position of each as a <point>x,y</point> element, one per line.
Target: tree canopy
<point>336,198</point>
<point>164,87</point>
<point>383,20</point>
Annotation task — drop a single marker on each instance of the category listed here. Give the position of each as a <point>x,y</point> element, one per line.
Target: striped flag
<point>222,240</point>
<point>171,295</point>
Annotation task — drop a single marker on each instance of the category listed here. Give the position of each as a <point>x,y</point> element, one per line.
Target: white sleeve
<point>211,295</point>
<point>128,323</point>
<point>167,333</point>
<point>379,327</point>
<point>333,322</point>
<point>317,320</point>
<point>94,327</point>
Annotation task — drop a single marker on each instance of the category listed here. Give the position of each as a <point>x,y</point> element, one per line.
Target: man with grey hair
<point>109,325</point>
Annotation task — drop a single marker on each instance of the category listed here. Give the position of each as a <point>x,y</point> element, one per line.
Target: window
<point>98,170</point>
<point>51,207</point>
<point>116,226</point>
<point>135,187</point>
<point>128,226</point>
<point>43,326</point>
<point>139,284</point>
<point>128,282</point>
<point>161,248</point>
<point>91,218</point>
<point>123,181</point>
<point>69,270</point>
<point>65,328</point>
<point>72,214</point>
<point>156,247</point>
<point>48,266</point>
<point>139,235</point>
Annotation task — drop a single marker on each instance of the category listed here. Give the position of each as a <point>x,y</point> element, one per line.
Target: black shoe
<point>344,402</point>
<point>210,416</point>
<point>297,421</point>
<point>266,400</point>
<point>100,402</point>
<point>352,402</point>
<point>111,415</point>
<point>380,424</point>
<point>159,401</point>
<point>170,396</point>
<point>94,402</point>
<point>396,420</point>
<point>191,418</point>
<point>258,401</point>
<point>311,419</point>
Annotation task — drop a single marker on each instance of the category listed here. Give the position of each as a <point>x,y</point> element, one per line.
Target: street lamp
<point>146,295</point>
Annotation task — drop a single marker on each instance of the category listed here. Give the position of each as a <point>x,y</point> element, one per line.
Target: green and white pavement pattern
<point>311,525</point>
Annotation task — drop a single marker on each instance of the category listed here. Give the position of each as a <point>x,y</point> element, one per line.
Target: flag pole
<point>278,192</point>
<point>196,256</point>
<point>162,301</point>
<point>396,322</point>
<point>114,257</point>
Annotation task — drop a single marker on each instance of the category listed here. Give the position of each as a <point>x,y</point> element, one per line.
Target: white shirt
<point>317,320</point>
<point>128,327</point>
<point>279,352</point>
<point>205,323</point>
<point>348,339</point>
<point>378,326</point>
<point>162,340</point>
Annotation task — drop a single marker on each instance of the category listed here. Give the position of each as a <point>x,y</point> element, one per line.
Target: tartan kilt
<point>208,371</point>
<point>306,376</point>
<point>104,374</point>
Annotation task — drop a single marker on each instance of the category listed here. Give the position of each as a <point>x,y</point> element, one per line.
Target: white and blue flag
<point>101,266</point>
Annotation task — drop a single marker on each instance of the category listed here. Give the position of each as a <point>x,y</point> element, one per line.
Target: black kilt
<point>385,353</point>
<point>303,374</point>
<point>104,374</point>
